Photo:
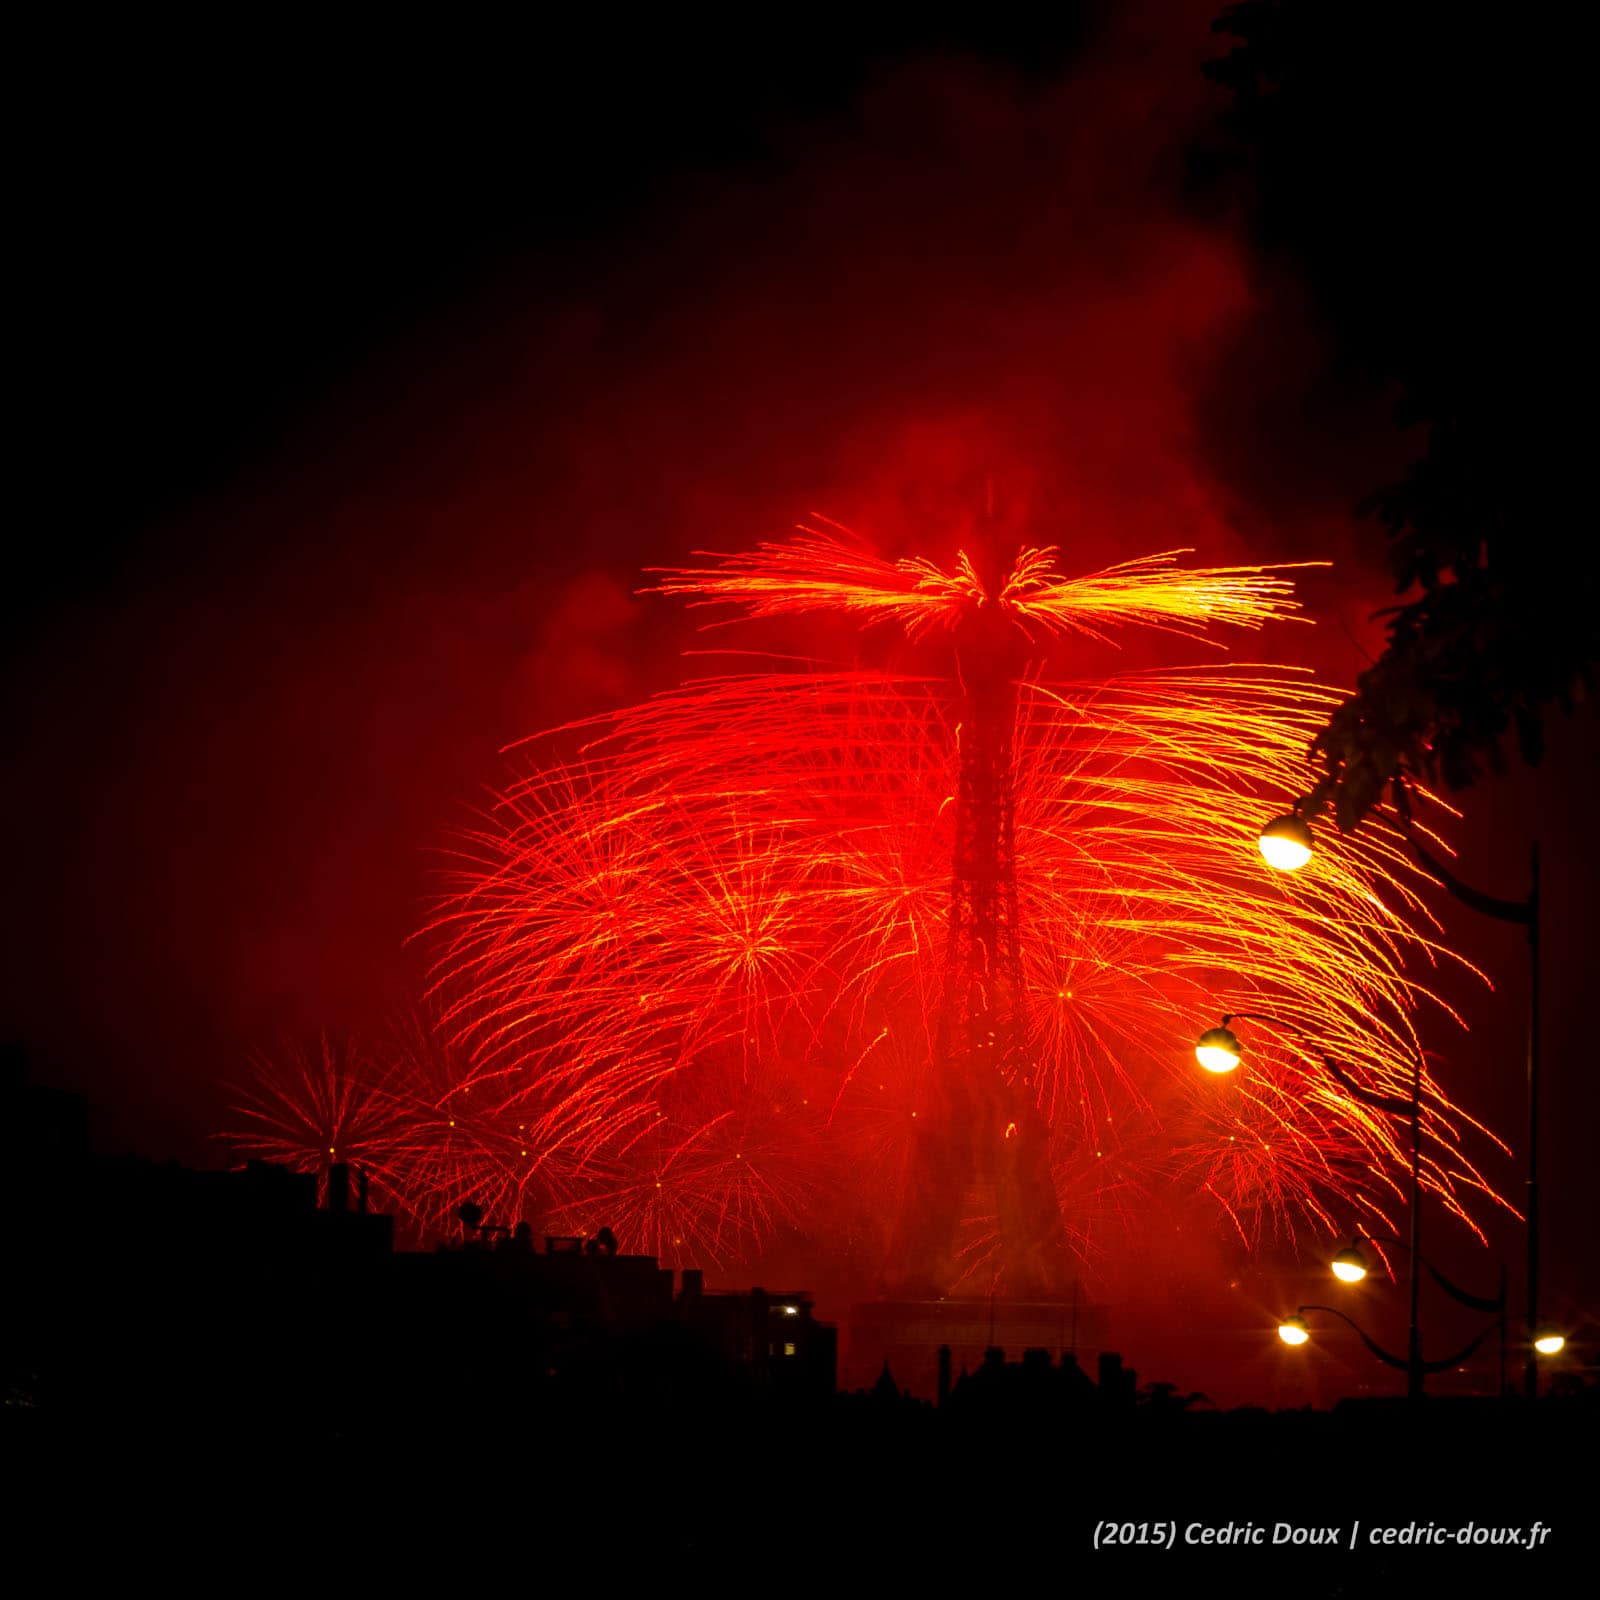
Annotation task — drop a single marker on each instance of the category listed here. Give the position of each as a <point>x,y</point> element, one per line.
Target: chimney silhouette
<point>339,1186</point>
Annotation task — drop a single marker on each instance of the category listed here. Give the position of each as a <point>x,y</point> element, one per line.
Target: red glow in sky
<point>243,741</point>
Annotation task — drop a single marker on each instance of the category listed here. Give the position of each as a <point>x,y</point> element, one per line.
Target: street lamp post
<point>1218,1043</point>
<point>1293,1330</point>
<point>1219,1050</point>
<point>1349,1266</point>
<point>1524,913</point>
<point>1286,843</point>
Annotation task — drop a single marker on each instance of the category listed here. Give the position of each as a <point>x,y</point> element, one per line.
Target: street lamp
<point>1349,1266</point>
<point>1286,844</point>
<point>1394,1105</point>
<point>1294,1330</point>
<point>1218,1049</point>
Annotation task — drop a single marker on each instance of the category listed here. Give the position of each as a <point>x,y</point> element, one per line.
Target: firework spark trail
<point>697,963</point>
<point>311,1106</point>
<point>821,572</point>
<point>409,1112</point>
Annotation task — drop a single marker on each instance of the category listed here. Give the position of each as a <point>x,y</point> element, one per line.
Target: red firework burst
<point>702,965</point>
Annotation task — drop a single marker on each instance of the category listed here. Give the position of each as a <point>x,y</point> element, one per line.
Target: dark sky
<point>367,368</point>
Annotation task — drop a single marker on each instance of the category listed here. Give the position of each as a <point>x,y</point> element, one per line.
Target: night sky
<point>367,370</point>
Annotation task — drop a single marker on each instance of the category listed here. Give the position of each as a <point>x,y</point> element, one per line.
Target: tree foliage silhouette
<point>1422,170</point>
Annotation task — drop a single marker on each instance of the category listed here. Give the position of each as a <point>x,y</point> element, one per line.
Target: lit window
<point>788,1349</point>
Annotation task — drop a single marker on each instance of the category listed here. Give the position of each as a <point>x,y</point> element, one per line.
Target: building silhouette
<point>909,1334</point>
<point>237,1327</point>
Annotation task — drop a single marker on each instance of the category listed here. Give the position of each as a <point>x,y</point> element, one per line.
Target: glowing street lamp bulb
<point>1548,1342</point>
<point>1218,1050</point>
<point>1286,843</point>
<point>1293,1330</point>
<point>1348,1266</point>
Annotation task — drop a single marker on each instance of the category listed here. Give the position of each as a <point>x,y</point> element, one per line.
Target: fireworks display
<point>696,967</point>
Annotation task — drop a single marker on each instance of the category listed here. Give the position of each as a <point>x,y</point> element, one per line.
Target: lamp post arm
<point>1377,1349</point>
<point>1467,1350</point>
<point>1474,1302</point>
<point>1262,1016</point>
<point>1520,911</point>
<point>1396,1105</point>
